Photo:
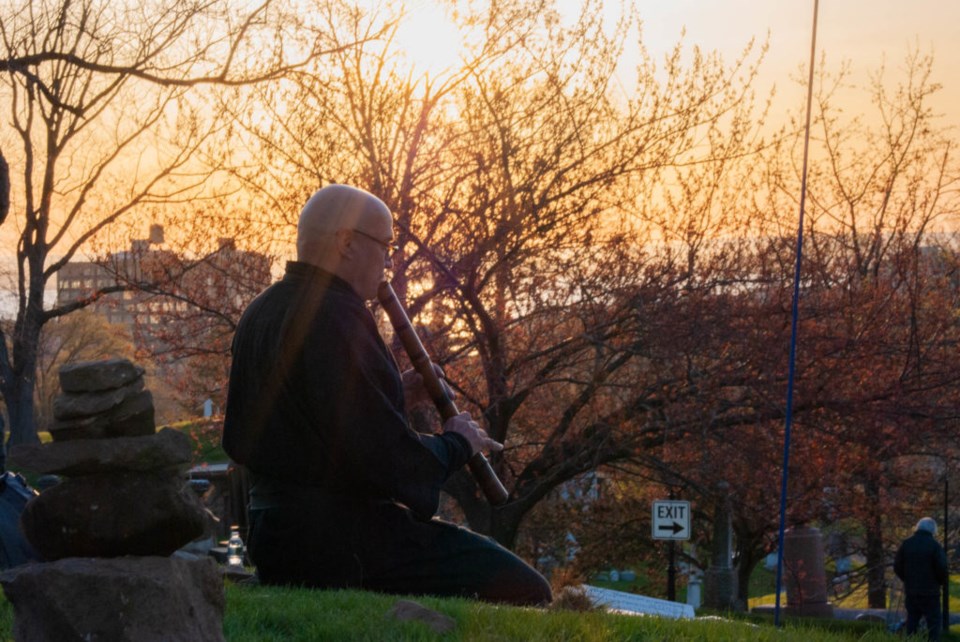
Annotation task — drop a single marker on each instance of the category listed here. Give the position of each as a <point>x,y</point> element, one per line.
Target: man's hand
<point>466,427</point>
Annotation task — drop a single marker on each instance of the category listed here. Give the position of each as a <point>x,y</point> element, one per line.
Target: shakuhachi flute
<point>482,471</point>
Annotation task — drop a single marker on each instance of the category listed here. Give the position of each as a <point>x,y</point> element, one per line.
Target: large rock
<point>92,376</point>
<point>71,405</point>
<point>163,449</point>
<point>114,514</point>
<point>142,599</point>
<point>131,417</point>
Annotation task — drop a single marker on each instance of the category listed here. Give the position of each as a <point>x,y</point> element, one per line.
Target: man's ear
<point>344,242</point>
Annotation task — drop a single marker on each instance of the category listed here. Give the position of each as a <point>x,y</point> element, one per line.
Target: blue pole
<point>793,325</point>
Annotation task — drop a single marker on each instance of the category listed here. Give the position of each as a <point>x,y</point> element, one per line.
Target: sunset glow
<point>428,39</point>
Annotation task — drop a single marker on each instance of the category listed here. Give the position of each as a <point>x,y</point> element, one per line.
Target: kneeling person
<point>343,491</point>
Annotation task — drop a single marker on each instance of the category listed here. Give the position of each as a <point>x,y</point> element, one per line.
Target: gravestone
<point>804,572</point>
<point>122,507</point>
<point>720,579</point>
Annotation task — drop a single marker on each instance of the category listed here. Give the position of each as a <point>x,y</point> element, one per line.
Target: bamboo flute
<point>486,478</point>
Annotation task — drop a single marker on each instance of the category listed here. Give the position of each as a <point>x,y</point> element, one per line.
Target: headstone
<point>631,603</point>
<point>693,591</point>
<point>804,573</point>
<point>720,579</point>
<point>122,508</point>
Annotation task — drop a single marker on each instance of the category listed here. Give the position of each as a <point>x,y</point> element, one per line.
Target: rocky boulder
<point>112,515</point>
<point>142,599</point>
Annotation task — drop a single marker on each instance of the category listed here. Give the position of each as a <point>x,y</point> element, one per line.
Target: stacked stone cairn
<point>108,532</point>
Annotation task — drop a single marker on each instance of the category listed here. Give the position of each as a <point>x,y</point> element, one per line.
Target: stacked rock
<point>124,494</point>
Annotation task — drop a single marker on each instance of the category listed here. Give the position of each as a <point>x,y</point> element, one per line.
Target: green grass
<point>257,613</point>
<point>763,590</point>
<point>266,614</point>
<point>856,600</point>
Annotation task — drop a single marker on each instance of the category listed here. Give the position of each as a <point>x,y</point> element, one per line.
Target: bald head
<point>347,232</point>
<point>334,208</point>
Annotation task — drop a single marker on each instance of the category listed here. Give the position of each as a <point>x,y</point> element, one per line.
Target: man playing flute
<point>343,491</point>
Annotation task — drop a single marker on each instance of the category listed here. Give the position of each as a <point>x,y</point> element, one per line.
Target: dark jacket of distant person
<point>921,564</point>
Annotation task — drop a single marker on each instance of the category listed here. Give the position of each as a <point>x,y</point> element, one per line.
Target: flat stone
<point>112,515</point>
<point>405,610</point>
<point>164,449</point>
<point>71,405</point>
<point>132,417</point>
<point>93,376</point>
<point>142,599</point>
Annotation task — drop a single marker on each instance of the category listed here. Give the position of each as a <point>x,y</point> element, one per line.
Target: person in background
<point>921,564</point>
<point>343,491</point>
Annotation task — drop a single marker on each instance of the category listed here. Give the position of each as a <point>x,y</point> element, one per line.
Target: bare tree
<point>510,180</point>
<point>106,119</point>
<point>878,333</point>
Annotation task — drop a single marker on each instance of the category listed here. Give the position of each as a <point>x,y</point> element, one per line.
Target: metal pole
<point>946,549</point>
<point>672,573</point>
<point>794,323</point>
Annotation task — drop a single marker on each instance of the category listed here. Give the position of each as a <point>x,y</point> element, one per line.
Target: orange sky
<point>860,31</point>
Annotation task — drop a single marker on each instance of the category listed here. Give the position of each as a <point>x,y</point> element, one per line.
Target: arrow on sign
<point>675,527</point>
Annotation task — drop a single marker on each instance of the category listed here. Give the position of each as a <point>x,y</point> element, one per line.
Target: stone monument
<point>720,579</point>
<point>804,572</point>
<point>108,530</point>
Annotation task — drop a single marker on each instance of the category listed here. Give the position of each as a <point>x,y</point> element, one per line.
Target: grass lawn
<point>265,614</point>
<point>763,586</point>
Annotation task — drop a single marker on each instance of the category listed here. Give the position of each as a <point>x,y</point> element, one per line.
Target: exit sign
<point>671,519</point>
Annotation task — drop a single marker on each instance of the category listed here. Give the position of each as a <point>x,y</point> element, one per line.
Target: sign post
<point>671,521</point>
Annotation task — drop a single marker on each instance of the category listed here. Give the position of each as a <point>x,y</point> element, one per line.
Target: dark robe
<point>342,489</point>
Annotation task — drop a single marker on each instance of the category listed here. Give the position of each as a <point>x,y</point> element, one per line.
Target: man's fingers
<point>488,442</point>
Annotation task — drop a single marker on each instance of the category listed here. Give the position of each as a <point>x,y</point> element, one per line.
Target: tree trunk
<point>749,553</point>
<point>4,189</point>
<point>19,390</point>
<point>875,556</point>
<point>20,412</point>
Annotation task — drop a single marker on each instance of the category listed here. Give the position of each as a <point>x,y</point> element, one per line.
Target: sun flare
<point>429,39</point>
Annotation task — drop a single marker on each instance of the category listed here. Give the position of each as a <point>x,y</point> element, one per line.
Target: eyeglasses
<point>389,247</point>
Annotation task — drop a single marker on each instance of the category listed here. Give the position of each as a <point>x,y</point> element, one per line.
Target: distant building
<point>159,285</point>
